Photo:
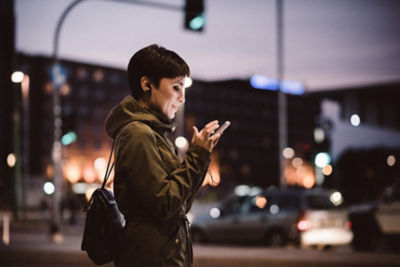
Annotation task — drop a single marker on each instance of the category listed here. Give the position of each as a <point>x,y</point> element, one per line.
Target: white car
<point>323,222</point>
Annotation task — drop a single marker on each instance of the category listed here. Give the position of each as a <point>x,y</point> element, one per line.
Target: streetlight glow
<point>48,188</point>
<point>17,76</point>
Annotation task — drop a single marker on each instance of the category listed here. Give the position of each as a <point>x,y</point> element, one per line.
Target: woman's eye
<point>176,88</point>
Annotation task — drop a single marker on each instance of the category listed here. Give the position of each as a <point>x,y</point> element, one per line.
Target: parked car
<point>313,217</point>
<point>376,225</point>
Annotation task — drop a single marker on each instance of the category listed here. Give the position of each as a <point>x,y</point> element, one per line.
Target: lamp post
<point>17,77</point>
<point>25,140</point>
<point>282,101</point>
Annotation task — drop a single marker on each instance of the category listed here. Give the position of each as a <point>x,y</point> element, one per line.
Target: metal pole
<point>17,149</point>
<point>55,226</point>
<point>282,101</point>
<point>26,142</point>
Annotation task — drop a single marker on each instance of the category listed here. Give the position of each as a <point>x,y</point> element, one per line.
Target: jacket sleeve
<point>162,194</point>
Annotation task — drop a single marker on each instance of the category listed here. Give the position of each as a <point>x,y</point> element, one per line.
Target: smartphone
<point>223,127</point>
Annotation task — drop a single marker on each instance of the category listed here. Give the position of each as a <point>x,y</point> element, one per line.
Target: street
<point>30,246</point>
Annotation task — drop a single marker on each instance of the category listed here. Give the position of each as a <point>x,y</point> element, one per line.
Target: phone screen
<point>223,127</point>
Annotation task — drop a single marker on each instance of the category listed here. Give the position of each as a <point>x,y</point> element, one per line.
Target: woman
<point>153,188</point>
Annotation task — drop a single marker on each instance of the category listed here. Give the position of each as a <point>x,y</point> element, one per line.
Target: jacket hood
<point>129,111</point>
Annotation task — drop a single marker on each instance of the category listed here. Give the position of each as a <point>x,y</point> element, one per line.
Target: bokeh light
<point>297,162</point>
<point>215,213</point>
<point>327,170</point>
<point>48,188</point>
<point>288,153</point>
<point>260,202</point>
<point>391,160</point>
<point>17,76</point>
<point>11,160</point>
<point>322,159</point>
<point>181,142</point>
<point>355,120</point>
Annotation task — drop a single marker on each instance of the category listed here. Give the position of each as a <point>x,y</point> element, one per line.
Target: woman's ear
<point>146,84</point>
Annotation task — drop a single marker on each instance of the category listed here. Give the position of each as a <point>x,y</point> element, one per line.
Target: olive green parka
<point>154,189</point>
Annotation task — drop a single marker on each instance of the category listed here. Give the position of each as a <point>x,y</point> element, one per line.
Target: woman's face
<point>169,96</point>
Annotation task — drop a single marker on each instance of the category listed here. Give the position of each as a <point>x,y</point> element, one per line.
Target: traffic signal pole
<point>56,153</point>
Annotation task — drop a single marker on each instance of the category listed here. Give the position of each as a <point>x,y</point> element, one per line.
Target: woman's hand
<point>205,138</point>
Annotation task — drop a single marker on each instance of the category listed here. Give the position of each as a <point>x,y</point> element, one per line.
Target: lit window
<point>98,75</point>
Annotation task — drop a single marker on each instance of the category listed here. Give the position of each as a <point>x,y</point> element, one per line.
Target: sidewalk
<point>36,234</point>
<point>30,245</point>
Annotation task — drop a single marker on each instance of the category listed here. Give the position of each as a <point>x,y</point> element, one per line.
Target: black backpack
<point>104,224</point>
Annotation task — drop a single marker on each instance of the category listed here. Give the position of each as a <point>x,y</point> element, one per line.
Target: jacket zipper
<point>189,251</point>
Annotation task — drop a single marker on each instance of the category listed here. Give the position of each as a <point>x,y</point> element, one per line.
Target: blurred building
<point>87,96</point>
<point>362,129</point>
<point>372,113</point>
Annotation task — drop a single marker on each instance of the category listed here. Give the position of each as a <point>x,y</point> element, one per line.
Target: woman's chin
<point>171,115</point>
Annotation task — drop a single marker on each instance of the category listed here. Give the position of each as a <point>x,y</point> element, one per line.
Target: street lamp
<point>15,160</point>
<point>17,77</point>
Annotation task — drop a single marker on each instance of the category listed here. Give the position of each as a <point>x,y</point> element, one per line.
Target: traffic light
<point>68,138</point>
<point>194,15</point>
<point>68,128</point>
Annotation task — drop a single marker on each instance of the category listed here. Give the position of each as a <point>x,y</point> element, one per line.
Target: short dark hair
<point>154,62</point>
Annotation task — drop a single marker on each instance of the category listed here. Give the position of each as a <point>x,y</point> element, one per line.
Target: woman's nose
<point>181,97</point>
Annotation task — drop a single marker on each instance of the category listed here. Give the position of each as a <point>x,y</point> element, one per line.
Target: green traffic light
<point>68,138</point>
<point>197,23</point>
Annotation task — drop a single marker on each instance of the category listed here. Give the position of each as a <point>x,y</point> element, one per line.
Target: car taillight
<point>303,224</point>
<point>348,225</point>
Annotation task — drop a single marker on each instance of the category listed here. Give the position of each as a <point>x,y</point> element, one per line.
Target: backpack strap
<point>108,169</point>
